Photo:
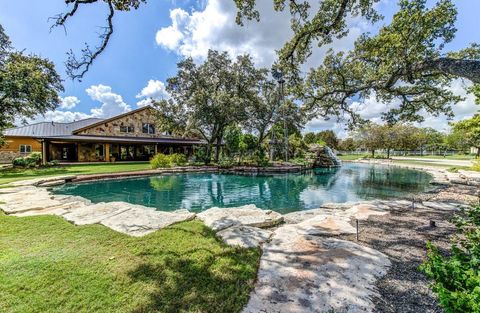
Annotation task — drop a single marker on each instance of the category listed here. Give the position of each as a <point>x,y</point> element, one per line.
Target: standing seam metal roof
<point>48,129</point>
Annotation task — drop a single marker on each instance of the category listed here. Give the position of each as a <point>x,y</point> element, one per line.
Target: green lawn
<point>448,157</point>
<point>9,175</point>
<point>350,157</point>
<point>49,265</point>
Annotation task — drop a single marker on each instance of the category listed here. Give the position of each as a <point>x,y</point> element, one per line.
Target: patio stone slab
<point>325,225</point>
<point>247,215</point>
<point>245,236</point>
<point>140,220</point>
<point>96,213</point>
<point>302,273</point>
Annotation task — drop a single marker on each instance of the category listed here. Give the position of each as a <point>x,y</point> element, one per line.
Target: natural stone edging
<point>298,269</point>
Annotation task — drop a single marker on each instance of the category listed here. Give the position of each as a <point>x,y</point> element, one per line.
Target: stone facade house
<point>132,136</point>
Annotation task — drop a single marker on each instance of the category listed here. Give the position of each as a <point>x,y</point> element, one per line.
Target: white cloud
<point>155,90</point>
<point>170,37</point>
<point>214,27</point>
<point>68,103</point>
<point>112,103</point>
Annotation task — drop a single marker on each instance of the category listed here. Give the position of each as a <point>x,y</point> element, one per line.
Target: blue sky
<point>148,43</point>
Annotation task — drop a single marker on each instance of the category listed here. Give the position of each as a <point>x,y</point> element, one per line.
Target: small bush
<point>31,160</point>
<point>456,277</point>
<point>476,166</point>
<point>178,159</point>
<point>161,161</point>
<point>19,162</point>
<point>168,160</point>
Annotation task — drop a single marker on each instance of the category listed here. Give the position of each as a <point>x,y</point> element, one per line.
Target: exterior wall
<point>87,153</point>
<point>136,120</point>
<point>11,149</point>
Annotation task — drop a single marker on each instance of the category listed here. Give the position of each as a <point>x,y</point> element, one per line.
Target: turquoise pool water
<point>283,193</point>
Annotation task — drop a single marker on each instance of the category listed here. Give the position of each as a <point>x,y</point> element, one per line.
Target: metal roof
<point>90,138</point>
<point>46,129</point>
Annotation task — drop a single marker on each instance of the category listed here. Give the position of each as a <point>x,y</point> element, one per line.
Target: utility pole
<point>279,77</point>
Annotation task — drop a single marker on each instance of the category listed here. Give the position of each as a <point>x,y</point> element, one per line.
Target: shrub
<point>20,162</point>
<point>456,277</point>
<point>31,160</point>
<point>476,166</point>
<point>163,160</point>
<point>178,159</point>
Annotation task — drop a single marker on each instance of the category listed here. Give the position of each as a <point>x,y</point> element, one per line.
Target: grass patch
<point>447,157</point>
<point>422,163</point>
<point>47,264</point>
<point>10,175</point>
<point>351,157</point>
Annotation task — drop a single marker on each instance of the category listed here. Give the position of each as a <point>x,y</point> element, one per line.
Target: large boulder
<point>247,215</point>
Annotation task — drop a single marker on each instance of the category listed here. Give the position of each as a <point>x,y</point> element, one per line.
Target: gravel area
<point>402,236</point>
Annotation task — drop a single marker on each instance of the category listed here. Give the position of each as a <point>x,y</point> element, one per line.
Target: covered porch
<point>88,149</point>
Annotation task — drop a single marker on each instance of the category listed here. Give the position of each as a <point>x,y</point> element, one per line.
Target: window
<point>127,129</point>
<point>148,128</point>
<point>25,149</point>
<point>99,151</point>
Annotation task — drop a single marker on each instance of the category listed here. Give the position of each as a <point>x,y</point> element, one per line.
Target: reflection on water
<point>283,193</point>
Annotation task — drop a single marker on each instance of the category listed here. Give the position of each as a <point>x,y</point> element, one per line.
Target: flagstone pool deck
<point>309,263</point>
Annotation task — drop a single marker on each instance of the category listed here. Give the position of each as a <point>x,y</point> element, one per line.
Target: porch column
<point>44,153</point>
<point>107,152</point>
<point>156,149</point>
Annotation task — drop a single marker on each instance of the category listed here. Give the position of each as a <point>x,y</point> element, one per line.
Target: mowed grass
<point>351,157</point>
<point>447,157</point>
<point>10,175</point>
<point>49,265</point>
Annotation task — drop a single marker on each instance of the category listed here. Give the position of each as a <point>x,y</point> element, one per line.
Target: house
<point>127,137</point>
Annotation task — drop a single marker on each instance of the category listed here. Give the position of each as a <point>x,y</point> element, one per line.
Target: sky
<point>148,43</point>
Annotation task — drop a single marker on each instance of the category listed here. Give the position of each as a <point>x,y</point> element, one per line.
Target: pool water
<point>282,193</point>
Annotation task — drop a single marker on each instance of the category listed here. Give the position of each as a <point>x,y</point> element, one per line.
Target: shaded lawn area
<point>10,175</point>
<point>49,265</point>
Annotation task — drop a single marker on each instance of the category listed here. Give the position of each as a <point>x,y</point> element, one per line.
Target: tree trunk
<point>388,153</point>
<point>208,153</point>
<point>373,153</point>
<point>478,153</point>
<point>469,69</point>
<point>218,146</point>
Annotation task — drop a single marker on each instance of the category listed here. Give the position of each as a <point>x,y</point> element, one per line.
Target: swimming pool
<point>282,193</point>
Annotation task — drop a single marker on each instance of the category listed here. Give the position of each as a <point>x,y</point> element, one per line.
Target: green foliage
<point>476,166</point>
<point>233,137</point>
<point>161,161</point>
<point>469,131</point>
<point>403,63</point>
<point>34,159</point>
<point>178,159</point>
<point>168,160</point>
<point>208,97</point>
<point>324,137</point>
<point>29,85</point>
<point>456,277</point>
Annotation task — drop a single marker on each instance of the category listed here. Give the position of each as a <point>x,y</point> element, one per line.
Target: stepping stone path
<point>303,267</point>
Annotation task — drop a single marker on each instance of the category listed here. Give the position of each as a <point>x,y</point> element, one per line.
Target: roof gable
<point>112,119</point>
